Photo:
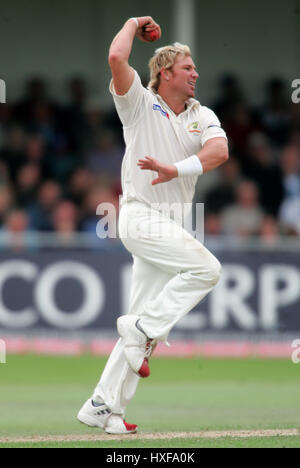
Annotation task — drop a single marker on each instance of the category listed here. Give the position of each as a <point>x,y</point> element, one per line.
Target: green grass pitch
<point>40,395</point>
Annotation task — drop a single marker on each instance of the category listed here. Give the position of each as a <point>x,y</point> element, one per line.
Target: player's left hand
<point>165,172</point>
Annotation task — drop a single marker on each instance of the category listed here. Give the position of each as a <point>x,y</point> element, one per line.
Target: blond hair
<point>165,57</point>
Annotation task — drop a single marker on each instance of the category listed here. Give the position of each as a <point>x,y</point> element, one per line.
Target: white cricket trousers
<point>172,273</point>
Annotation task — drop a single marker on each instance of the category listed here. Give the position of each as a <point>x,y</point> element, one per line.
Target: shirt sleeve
<point>211,126</point>
<point>129,106</point>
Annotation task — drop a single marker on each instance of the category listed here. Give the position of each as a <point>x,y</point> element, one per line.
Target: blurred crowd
<point>58,162</point>
<point>257,191</point>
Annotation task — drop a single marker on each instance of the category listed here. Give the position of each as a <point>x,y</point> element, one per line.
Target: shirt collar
<point>190,103</point>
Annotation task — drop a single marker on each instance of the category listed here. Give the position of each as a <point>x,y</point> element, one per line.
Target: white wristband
<point>136,21</point>
<point>189,167</point>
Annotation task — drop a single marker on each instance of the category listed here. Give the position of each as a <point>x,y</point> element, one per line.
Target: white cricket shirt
<point>151,128</point>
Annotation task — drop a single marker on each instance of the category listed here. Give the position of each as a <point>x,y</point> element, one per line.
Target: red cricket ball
<point>154,35</point>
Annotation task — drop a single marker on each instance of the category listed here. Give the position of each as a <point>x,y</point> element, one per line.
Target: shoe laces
<point>147,347</point>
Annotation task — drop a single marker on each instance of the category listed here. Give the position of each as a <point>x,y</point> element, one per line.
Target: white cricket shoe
<point>101,416</point>
<point>138,347</point>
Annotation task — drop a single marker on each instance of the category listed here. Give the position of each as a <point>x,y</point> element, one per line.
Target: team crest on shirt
<point>194,127</point>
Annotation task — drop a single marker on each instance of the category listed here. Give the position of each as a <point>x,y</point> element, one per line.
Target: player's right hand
<point>146,25</point>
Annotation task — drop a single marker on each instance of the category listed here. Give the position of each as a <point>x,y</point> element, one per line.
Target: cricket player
<point>171,140</point>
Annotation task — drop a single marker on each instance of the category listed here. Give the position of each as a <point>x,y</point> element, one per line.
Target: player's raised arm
<point>120,50</point>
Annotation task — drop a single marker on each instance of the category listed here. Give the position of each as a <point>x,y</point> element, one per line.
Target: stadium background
<point>61,287</point>
<point>61,147</point>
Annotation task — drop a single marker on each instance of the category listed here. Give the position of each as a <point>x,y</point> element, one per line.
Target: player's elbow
<point>115,56</point>
<point>223,153</point>
<point>112,57</point>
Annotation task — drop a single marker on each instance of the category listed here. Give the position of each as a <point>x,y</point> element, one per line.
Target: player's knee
<point>213,273</point>
<point>210,274</point>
